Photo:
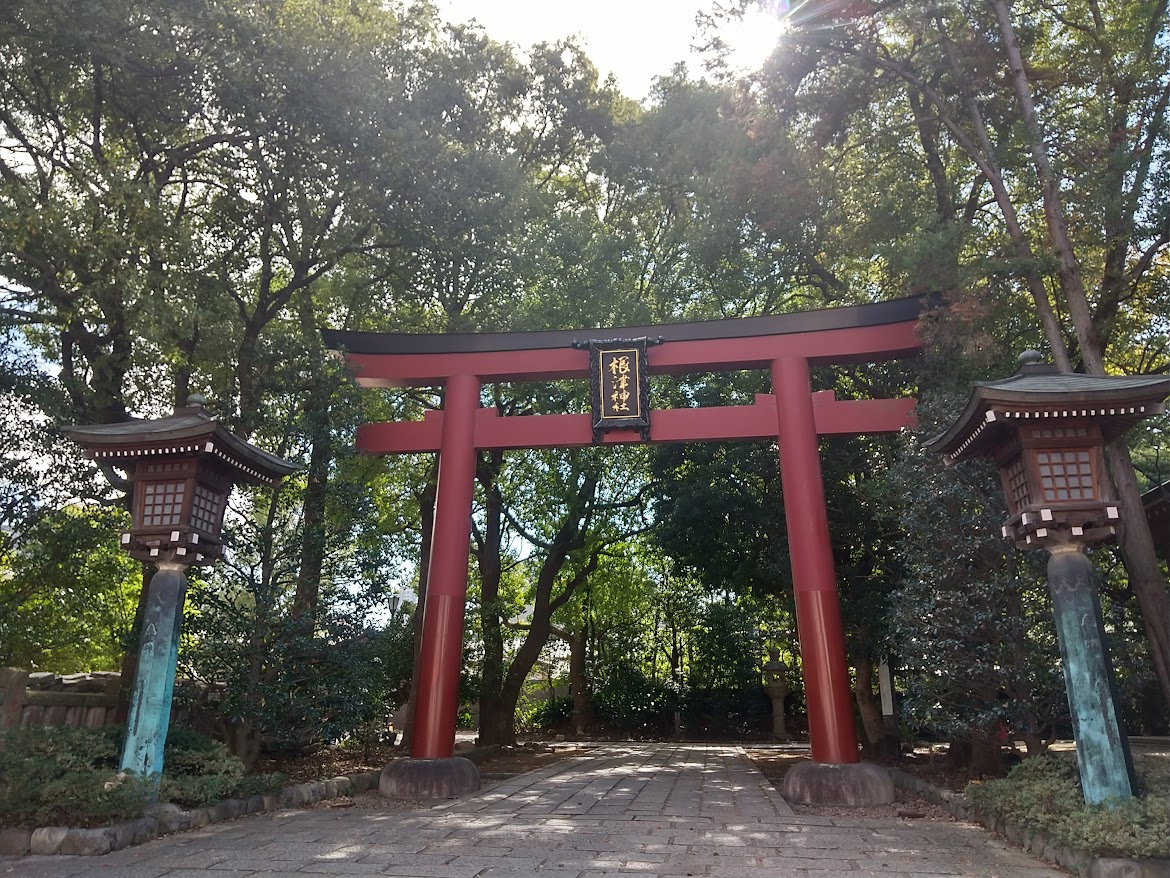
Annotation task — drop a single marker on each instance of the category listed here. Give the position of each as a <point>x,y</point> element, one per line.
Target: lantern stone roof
<point>190,430</point>
<point>1041,393</point>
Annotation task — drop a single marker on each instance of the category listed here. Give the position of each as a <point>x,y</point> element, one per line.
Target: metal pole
<point>818,613</point>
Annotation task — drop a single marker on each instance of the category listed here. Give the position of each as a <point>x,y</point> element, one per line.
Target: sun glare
<point>755,36</point>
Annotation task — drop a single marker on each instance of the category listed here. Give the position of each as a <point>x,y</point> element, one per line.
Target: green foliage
<point>626,699</point>
<point>1044,793</point>
<point>199,771</point>
<point>549,714</point>
<point>192,189</point>
<point>67,592</point>
<point>296,687</point>
<point>56,776</point>
<point>723,691</point>
<point>972,624</point>
<point>68,776</point>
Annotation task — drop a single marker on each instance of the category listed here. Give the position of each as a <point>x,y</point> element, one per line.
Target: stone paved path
<point>650,810</point>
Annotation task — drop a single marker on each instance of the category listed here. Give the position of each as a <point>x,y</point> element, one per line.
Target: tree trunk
<point>244,742</point>
<point>497,719</point>
<point>1137,547</point>
<point>1068,270</point>
<point>583,717</point>
<point>249,413</point>
<point>1141,562</point>
<point>316,409</point>
<point>873,741</point>
<point>986,755</point>
<point>130,656</point>
<point>496,723</point>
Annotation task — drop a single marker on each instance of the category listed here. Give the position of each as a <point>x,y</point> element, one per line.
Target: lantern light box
<point>183,468</point>
<point>1046,431</point>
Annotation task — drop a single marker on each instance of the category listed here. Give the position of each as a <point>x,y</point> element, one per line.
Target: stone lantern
<point>182,468</point>
<point>1046,431</point>
<point>776,687</point>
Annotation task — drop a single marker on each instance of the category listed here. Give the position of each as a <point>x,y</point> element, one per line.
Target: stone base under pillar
<point>823,783</point>
<point>408,778</point>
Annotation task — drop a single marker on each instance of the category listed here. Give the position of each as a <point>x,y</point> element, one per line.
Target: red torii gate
<point>787,344</point>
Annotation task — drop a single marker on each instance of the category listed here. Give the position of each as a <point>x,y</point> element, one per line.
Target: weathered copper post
<point>1046,431</point>
<point>182,468</point>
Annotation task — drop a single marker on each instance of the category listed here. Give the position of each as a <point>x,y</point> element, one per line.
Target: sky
<point>635,40</point>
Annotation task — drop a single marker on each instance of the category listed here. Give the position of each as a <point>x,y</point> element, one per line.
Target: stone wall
<point>41,699</point>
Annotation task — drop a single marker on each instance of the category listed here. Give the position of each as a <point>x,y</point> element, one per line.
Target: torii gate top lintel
<point>853,334</point>
<point>861,333</point>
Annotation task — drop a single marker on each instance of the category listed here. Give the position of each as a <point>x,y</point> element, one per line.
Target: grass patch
<point>69,776</point>
<point>1045,793</point>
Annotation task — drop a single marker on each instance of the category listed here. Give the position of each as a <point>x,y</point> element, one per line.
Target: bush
<point>547,714</point>
<point>727,711</point>
<point>1044,793</point>
<point>69,776</point>
<point>625,699</point>
<point>200,771</point>
<point>54,776</point>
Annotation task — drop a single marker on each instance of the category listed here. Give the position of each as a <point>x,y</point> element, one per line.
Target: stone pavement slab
<point>646,809</point>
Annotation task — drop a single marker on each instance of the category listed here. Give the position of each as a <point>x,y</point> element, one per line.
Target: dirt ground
<point>772,763</point>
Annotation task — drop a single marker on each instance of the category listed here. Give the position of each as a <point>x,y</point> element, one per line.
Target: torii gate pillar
<point>433,771</point>
<point>835,775</point>
<point>818,612</point>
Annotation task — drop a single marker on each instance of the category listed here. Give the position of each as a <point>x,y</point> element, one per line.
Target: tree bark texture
<point>870,709</point>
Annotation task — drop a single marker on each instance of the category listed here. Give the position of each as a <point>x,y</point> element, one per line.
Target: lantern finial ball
<point>1030,358</point>
<point>196,400</point>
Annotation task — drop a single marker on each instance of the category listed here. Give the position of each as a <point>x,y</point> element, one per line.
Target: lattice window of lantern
<point>1017,478</point>
<point>1066,475</point>
<point>162,504</point>
<point>206,510</point>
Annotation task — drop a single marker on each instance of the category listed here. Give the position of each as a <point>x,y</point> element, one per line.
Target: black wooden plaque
<point>621,386</point>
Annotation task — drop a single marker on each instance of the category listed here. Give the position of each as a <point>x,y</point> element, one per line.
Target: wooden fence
<point>38,699</point>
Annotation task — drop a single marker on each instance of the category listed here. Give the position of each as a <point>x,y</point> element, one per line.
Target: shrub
<point>53,776</point>
<point>69,776</point>
<point>547,714</point>
<point>726,710</point>
<point>1044,793</point>
<point>626,699</point>
<point>200,771</point>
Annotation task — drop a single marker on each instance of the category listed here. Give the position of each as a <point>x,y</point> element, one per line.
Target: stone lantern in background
<point>776,687</point>
<point>1046,431</point>
<point>182,469</point>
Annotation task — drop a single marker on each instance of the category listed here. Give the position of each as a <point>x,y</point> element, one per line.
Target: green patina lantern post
<point>183,469</point>
<point>1046,431</point>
